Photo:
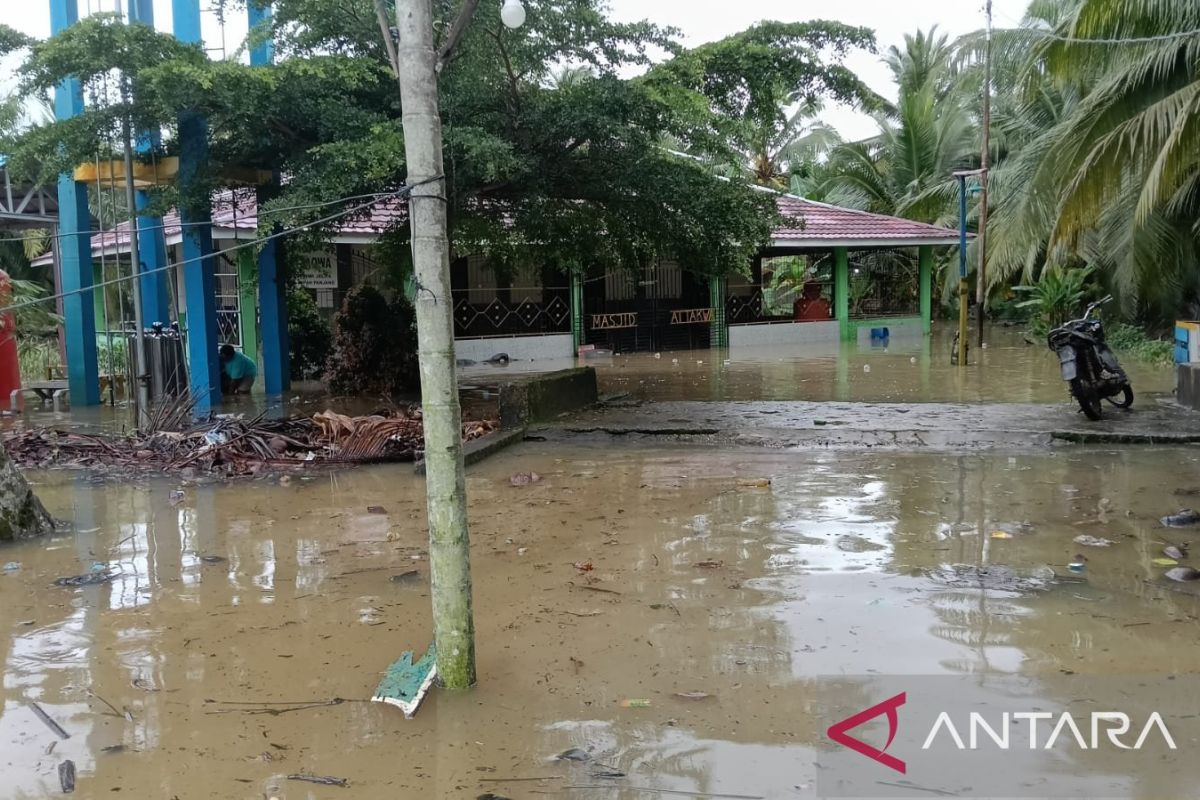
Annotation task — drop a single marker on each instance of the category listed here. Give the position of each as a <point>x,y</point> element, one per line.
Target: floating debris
<point>232,446</point>
<point>1093,541</point>
<point>995,577</point>
<point>693,695</point>
<point>66,776</point>
<point>324,780</point>
<point>88,579</point>
<point>524,478</point>
<point>1182,519</point>
<point>574,754</point>
<point>1182,574</point>
<point>1178,553</point>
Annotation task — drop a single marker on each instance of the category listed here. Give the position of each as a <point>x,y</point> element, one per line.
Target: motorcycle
<point>1088,365</point>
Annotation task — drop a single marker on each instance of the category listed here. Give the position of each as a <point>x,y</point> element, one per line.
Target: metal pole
<point>962,270</point>
<point>142,378</point>
<point>985,163</point>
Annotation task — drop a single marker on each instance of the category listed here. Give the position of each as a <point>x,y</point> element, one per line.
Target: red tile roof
<point>823,224</point>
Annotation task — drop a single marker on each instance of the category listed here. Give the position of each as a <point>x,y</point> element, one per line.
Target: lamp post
<point>963,292</point>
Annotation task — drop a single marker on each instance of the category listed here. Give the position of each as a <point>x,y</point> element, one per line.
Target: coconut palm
<point>1112,178</point>
<point>929,133</point>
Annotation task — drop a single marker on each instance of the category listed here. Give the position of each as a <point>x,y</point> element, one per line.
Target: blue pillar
<point>75,244</point>
<point>155,293</point>
<point>199,283</point>
<point>272,291</point>
<point>259,12</point>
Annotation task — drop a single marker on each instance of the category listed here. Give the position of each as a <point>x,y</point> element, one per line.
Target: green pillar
<point>248,304</point>
<point>577,310</point>
<point>841,291</point>
<point>719,339</point>
<point>925,254</point>
<point>98,298</point>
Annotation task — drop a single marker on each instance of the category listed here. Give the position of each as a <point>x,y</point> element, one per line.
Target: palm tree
<point>930,132</point>
<point>777,152</point>
<point>1111,175</point>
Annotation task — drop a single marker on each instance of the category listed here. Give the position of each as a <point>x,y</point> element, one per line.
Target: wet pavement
<point>798,424</point>
<point>845,563</point>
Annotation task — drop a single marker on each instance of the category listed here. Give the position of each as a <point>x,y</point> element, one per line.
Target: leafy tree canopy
<point>571,173</point>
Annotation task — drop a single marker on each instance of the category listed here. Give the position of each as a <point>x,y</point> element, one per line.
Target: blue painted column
<point>199,283</point>
<point>75,244</point>
<point>155,293</point>
<point>272,288</point>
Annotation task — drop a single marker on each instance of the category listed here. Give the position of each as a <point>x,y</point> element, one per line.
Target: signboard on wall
<point>319,271</point>
<point>689,316</point>
<point>612,322</point>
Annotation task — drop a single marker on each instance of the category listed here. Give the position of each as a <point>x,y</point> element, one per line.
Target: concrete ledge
<point>477,450</point>
<point>1187,385</point>
<point>538,398</point>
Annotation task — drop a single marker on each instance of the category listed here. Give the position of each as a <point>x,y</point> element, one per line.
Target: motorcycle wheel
<point>1089,404</point>
<point>1126,400</point>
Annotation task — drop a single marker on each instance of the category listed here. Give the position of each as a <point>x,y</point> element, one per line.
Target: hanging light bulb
<point>512,13</point>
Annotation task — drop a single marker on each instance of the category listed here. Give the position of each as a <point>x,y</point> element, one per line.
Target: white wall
<point>783,333</point>
<point>903,331</point>
<point>519,348</point>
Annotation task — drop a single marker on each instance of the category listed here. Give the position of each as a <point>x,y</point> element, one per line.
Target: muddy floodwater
<point>912,370</point>
<point>630,574</point>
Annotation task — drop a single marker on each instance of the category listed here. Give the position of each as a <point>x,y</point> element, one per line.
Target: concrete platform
<point>888,425</point>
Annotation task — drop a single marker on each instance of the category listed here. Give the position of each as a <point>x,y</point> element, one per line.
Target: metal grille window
<point>797,286</point>
<point>229,328</point>
<point>884,283</point>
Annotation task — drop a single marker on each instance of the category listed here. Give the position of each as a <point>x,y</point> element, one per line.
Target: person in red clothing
<point>811,306</point>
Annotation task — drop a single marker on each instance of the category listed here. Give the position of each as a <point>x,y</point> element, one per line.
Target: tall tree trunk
<point>21,513</point>
<point>449,545</point>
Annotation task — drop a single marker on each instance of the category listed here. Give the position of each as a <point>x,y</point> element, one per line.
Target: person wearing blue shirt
<point>238,371</point>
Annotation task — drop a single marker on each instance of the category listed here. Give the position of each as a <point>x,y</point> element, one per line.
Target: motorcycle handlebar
<point>1093,306</point>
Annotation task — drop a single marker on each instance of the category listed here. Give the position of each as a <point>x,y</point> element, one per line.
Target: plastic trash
<point>635,702</point>
<point>12,566</point>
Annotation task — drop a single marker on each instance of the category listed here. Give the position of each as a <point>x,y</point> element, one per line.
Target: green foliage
<point>374,346</point>
<point>39,357</point>
<point>1058,296</point>
<point>308,333</point>
<point>754,95</point>
<point>543,168</point>
<point>1131,341</point>
<point>112,358</point>
<point>1104,140</point>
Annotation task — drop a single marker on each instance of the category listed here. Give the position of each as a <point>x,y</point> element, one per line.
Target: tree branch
<point>386,30</point>
<point>465,15</point>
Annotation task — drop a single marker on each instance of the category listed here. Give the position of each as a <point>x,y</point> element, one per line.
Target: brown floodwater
<point>915,370</point>
<point>256,592</point>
